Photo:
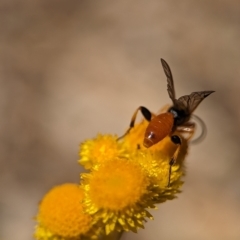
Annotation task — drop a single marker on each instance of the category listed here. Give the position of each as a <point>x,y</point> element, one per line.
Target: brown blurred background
<point>71,69</point>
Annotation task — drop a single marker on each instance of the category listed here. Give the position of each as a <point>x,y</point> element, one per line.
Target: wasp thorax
<point>180,116</point>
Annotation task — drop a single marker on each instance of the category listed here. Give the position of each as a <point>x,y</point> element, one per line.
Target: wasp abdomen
<point>158,128</point>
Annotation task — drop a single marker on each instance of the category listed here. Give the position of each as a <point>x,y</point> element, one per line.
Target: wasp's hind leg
<point>189,128</point>
<point>146,114</point>
<point>178,141</point>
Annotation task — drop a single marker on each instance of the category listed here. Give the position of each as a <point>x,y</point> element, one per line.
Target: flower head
<point>117,195</point>
<point>130,179</point>
<point>61,215</point>
<point>100,149</point>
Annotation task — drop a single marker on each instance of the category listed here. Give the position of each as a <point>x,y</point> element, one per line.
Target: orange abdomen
<point>159,127</point>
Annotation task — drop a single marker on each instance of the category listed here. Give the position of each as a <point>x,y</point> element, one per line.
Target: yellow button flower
<point>121,187</point>
<point>61,215</point>
<point>100,149</point>
<point>117,195</point>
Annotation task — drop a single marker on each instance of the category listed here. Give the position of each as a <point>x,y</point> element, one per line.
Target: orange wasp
<point>175,119</point>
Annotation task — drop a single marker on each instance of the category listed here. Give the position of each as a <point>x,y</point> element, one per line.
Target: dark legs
<point>178,141</point>
<point>146,114</point>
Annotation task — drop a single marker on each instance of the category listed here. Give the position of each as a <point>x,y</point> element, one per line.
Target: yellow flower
<point>100,149</point>
<point>117,195</point>
<point>61,215</point>
<point>119,191</point>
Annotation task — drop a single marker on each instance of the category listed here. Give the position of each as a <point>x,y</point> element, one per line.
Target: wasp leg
<point>178,141</point>
<point>146,114</point>
<point>188,127</point>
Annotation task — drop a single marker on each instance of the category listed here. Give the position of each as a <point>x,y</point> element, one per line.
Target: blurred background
<point>72,69</point>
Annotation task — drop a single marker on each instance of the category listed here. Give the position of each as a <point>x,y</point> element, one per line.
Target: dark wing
<point>190,102</point>
<point>170,85</point>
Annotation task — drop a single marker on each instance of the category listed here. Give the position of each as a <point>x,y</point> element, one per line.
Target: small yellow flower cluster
<point>123,181</point>
<point>61,214</point>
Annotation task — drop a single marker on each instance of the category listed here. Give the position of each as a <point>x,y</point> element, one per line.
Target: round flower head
<point>61,215</point>
<point>100,149</point>
<point>117,195</point>
<point>126,178</point>
<point>118,191</point>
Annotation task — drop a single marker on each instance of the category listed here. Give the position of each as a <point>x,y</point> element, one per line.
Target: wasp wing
<point>170,84</point>
<point>190,102</point>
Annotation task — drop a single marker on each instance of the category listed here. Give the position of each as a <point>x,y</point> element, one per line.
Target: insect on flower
<point>175,120</point>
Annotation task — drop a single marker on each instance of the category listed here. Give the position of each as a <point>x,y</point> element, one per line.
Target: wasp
<point>176,119</point>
